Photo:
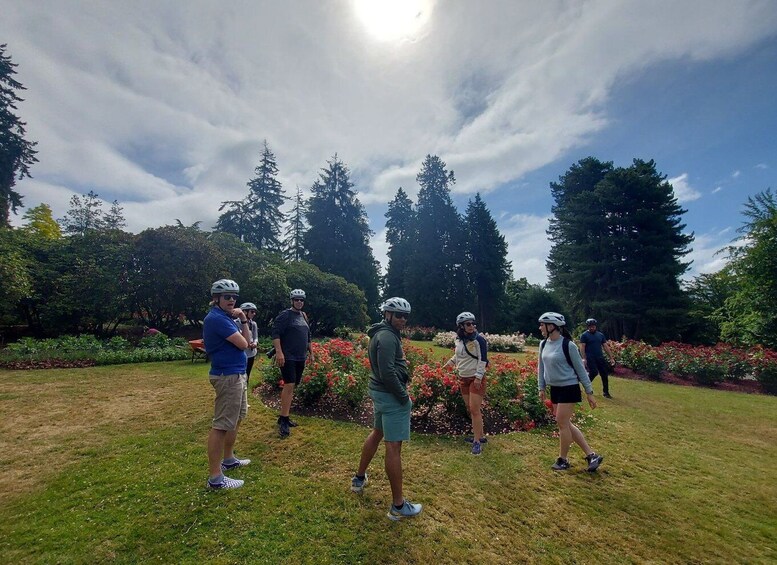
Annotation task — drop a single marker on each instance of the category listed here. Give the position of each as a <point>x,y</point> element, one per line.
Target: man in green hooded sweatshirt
<point>392,405</point>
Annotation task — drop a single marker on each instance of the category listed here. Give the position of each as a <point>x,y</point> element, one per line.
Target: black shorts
<point>565,394</point>
<point>291,372</point>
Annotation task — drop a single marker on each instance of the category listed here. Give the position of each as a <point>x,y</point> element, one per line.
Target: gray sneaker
<point>408,510</point>
<point>227,483</point>
<point>235,464</point>
<point>357,484</point>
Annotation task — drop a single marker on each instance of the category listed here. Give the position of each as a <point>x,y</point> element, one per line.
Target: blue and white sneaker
<point>477,449</point>
<point>357,484</point>
<point>227,483</point>
<point>408,510</point>
<point>234,464</point>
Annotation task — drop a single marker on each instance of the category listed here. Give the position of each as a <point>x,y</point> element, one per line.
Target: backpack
<point>564,347</point>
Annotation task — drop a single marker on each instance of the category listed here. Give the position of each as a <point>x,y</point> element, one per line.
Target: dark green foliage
<point>487,265</point>
<point>400,236</point>
<point>337,240</point>
<point>173,268</point>
<point>331,300</point>
<point>617,244</point>
<point>522,306</point>
<point>437,284</point>
<point>17,154</point>
<point>707,295</point>
<point>258,218</point>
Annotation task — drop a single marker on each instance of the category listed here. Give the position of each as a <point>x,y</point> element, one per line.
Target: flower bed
<point>513,343</point>
<point>704,365</point>
<point>337,381</point>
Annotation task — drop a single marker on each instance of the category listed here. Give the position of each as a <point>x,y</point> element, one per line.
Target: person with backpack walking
<point>561,368</point>
<point>471,358</point>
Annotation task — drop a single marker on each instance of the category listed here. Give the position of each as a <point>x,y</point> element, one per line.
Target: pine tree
<point>294,248</point>
<point>617,246</point>
<point>400,226</point>
<point>487,265</point>
<point>257,219</point>
<point>437,285</point>
<point>265,199</point>
<point>16,153</point>
<point>85,214</point>
<point>338,239</point>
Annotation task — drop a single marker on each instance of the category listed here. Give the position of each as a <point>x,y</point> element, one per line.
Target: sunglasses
<point>230,296</point>
<point>298,300</point>
<point>401,315</point>
<point>470,324</point>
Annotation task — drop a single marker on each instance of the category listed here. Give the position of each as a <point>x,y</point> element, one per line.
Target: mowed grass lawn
<point>108,464</point>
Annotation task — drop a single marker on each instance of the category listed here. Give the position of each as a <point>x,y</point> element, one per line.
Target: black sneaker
<point>594,461</point>
<point>607,395</point>
<point>561,464</point>
<point>283,428</point>
<point>292,423</point>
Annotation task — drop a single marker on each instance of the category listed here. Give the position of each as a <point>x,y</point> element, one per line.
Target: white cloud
<point>762,166</point>
<point>528,245</point>
<point>736,174</point>
<point>716,189</point>
<point>682,190</point>
<point>164,106</point>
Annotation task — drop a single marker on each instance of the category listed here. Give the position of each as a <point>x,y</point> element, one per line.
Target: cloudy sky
<point>164,105</point>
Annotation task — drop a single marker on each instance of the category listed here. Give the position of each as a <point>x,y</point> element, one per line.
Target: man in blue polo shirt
<point>226,334</point>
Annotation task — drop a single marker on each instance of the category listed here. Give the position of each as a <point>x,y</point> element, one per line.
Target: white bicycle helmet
<point>248,306</point>
<point>395,304</point>
<point>465,317</point>
<point>553,318</point>
<point>224,285</point>
<point>591,322</point>
<point>297,293</point>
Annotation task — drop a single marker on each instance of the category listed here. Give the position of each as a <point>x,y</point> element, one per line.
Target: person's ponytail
<point>565,332</point>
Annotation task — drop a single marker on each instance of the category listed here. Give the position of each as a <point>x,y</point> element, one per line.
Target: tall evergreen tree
<point>265,198</point>
<point>16,153</point>
<point>294,247</point>
<point>487,264</point>
<point>437,284</point>
<point>617,246</point>
<point>400,226</point>
<point>338,239</point>
<point>257,219</point>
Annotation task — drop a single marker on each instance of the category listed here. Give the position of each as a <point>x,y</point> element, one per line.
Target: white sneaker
<point>235,464</point>
<point>227,483</point>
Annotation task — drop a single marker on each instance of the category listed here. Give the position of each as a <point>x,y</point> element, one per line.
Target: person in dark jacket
<point>392,404</point>
<point>291,340</point>
<point>593,344</point>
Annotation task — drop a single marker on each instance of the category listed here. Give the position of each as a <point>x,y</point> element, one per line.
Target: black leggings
<point>598,366</point>
<point>249,366</point>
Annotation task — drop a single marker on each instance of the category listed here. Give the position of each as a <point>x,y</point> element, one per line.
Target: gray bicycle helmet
<point>591,322</point>
<point>297,293</point>
<point>248,306</point>
<point>395,304</point>
<point>553,318</point>
<point>224,285</point>
<point>465,317</point>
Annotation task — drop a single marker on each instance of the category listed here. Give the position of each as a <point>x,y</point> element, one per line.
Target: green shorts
<point>390,416</point>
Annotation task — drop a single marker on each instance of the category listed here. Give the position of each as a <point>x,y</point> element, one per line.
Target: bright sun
<point>388,20</point>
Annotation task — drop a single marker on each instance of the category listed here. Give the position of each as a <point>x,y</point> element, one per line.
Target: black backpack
<point>564,347</point>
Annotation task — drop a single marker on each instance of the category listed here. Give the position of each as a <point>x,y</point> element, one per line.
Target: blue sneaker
<point>234,464</point>
<point>477,449</point>
<point>357,484</point>
<point>408,510</point>
<point>594,461</point>
<point>227,483</point>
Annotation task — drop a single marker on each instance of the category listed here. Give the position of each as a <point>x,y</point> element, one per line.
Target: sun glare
<point>390,20</point>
